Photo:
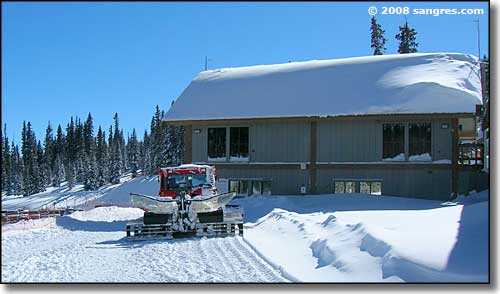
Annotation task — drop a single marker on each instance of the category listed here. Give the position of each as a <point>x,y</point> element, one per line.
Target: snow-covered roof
<point>387,84</point>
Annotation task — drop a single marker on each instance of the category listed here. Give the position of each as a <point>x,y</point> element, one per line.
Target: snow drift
<point>386,239</point>
<point>388,84</point>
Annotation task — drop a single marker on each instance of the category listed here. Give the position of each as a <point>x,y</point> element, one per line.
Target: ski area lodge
<point>400,125</point>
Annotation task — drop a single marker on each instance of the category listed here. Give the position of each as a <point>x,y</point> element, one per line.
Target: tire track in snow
<point>265,271</point>
<point>231,260</point>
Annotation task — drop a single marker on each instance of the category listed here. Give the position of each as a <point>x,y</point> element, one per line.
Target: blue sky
<point>68,59</point>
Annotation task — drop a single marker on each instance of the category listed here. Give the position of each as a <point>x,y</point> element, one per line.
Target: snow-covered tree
<point>133,153</point>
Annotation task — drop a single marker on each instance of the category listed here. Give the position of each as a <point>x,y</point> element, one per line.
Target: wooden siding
<point>284,181</point>
<point>417,183</point>
<point>271,142</point>
<point>361,140</point>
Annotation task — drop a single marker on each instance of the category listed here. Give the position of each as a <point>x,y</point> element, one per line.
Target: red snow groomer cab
<point>188,204</point>
<point>198,180</point>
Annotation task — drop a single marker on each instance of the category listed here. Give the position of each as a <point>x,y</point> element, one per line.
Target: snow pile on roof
<point>388,84</point>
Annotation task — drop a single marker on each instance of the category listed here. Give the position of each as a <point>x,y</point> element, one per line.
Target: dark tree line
<point>407,38</point>
<point>78,155</point>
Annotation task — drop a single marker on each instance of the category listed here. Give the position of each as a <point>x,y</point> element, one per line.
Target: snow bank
<point>356,238</point>
<point>388,84</point>
<point>108,214</point>
<point>63,197</point>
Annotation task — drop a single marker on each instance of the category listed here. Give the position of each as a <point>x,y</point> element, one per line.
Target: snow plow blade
<point>166,217</point>
<point>153,204</point>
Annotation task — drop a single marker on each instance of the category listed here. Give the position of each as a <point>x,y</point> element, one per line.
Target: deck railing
<point>471,154</point>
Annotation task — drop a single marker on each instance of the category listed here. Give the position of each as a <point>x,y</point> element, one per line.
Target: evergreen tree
<point>133,153</point>
<point>91,173</point>
<point>59,158</point>
<point>377,37</point>
<point>70,152</point>
<point>49,155</point>
<point>17,171</point>
<point>101,158</point>
<point>407,39</point>
<point>31,175</point>
<point>116,154</point>
<point>7,168</point>
<point>146,165</point>
<point>80,152</point>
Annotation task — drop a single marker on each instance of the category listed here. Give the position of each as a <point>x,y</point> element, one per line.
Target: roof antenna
<point>478,39</point>
<point>206,62</point>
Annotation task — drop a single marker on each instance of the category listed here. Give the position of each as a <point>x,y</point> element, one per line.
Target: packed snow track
<point>73,254</point>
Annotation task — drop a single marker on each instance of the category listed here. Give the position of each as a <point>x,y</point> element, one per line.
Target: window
<point>266,188</point>
<point>217,143</point>
<point>420,138</point>
<point>374,188</point>
<point>364,187</point>
<point>247,187</point>
<point>350,187</point>
<point>234,186</point>
<point>238,147</point>
<point>393,140</point>
<point>257,187</point>
<point>341,187</point>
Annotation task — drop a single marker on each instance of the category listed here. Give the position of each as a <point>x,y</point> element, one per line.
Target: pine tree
<point>146,154</point>
<point>133,153</point>
<point>31,175</point>
<point>80,152</point>
<point>7,179</point>
<point>101,158</point>
<point>59,158</point>
<point>70,152</point>
<point>17,171</point>
<point>407,39</point>
<point>116,154</point>
<point>49,155</point>
<point>377,37</point>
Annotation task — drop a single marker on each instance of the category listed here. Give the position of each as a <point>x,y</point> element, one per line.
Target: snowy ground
<point>77,197</point>
<point>84,248</point>
<point>334,238</point>
<point>358,238</point>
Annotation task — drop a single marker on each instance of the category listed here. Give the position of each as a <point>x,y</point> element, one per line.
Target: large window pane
<point>244,187</point>
<point>364,187</point>
<point>376,188</point>
<point>266,188</point>
<point>339,188</point>
<point>217,143</point>
<point>238,143</point>
<point>257,188</point>
<point>393,140</point>
<point>420,138</point>
<point>350,187</point>
<point>234,186</point>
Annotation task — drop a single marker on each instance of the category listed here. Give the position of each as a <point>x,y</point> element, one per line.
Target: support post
<point>454,158</point>
<point>313,158</point>
<point>188,143</point>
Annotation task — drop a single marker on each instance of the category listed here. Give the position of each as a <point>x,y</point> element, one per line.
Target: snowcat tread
<point>142,231</point>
